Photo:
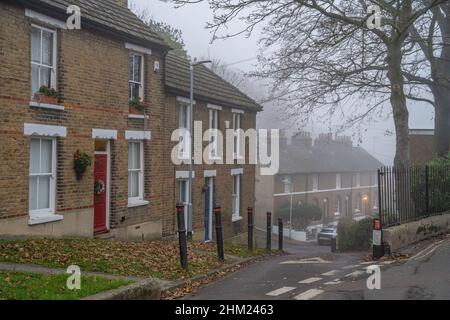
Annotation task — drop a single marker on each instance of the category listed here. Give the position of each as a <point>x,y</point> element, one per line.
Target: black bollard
<point>250,228</point>
<point>280,234</point>
<point>269,231</point>
<point>219,238</point>
<point>182,236</point>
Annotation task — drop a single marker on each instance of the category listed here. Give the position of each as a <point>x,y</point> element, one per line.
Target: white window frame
<point>39,213</point>
<point>53,80</point>
<point>237,126</point>
<point>183,152</point>
<point>315,182</point>
<point>141,83</point>
<point>358,180</point>
<point>140,198</point>
<point>287,184</point>
<point>236,197</point>
<point>338,181</point>
<point>214,127</point>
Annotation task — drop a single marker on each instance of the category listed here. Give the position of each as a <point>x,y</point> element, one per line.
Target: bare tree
<point>326,55</point>
<point>431,33</point>
<point>173,36</point>
<point>235,77</point>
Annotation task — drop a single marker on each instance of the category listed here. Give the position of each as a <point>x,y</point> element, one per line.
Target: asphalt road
<point>423,277</point>
<point>258,281</point>
<point>311,272</point>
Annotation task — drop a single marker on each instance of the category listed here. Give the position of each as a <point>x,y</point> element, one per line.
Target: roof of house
<point>208,86</point>
<point>104,14</point>
<point>326,159</point>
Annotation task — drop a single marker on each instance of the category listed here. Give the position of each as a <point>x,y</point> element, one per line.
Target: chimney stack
<point>344,141</point>
<point>302,139</point>
<point>324,139</point>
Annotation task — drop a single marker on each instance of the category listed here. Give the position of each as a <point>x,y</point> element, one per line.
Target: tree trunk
<point>441,120</point>
<point>399,109</point>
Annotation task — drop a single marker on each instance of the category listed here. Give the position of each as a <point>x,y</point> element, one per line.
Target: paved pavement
<point>313,273</point>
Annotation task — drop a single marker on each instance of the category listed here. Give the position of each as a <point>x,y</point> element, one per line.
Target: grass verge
<point>36,286</point>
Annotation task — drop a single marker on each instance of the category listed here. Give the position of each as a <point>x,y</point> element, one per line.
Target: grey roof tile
<point>207,85</point>
<point>326,159</point>
<point>104,13</point>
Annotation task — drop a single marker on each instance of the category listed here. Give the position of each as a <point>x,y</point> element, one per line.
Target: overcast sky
<point>241,52</point>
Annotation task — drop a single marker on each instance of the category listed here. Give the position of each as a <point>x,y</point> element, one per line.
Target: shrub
<point>302,214</point>
<point>354,235</point>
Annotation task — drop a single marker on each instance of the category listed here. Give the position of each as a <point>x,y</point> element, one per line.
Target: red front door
<point>100,186</point>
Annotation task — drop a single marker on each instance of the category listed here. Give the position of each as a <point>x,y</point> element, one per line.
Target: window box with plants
<point>136,106</point>
<point>46,95</point>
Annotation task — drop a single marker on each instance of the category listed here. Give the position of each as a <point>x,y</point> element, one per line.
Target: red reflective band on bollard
<point>376,224</point>
<point>218,210</point>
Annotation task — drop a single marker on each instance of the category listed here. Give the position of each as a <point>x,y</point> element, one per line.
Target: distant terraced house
<point>110,94</point>
<point>327,172</point>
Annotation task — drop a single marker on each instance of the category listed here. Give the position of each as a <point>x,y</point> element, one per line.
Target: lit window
<point>135,171</point>
<point>43,58</point>
<point>42,176</point>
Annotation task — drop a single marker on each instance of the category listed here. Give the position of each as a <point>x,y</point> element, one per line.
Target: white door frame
<point>210,181</point>
<point>185,199</point>
<point>108,180</point>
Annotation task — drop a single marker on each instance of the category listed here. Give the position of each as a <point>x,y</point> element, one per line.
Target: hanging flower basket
<point>99,187</point>
<point>81,161</point>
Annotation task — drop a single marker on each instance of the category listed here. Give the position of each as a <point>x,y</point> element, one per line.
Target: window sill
<point>137,116</point>
<point>46,106</point>
<point>44,218</point>
<point>137,203</point>
<point>236,218</point>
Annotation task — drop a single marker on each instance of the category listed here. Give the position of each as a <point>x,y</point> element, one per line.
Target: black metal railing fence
<point>411,193</point>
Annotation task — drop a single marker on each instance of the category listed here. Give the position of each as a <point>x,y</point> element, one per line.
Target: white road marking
<point>330,273</point>
<point>280,291</point>
<point>308,294</point>
<point>305,261</point>
<point>429,250</point>
<point>334,282</point>
<point>351,266</point>
<point>367,262</point>
<point>310,280</point>
<point>355,274</point>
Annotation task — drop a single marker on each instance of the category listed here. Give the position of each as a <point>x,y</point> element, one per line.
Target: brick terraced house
<point>421,143</point>
<point>218,105</point>
<point>330,173</point>
<point>110,87</point>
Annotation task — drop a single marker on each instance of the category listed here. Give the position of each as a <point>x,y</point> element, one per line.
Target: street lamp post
<point>191,132</point>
